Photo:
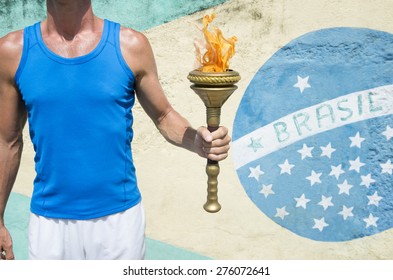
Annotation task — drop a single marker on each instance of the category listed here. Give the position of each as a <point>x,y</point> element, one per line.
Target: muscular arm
<point>12,120</point>
<point>176,129</point>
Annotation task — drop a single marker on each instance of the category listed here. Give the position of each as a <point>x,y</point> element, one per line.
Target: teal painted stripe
<point>156,250</point>
<point>145,14</point>
<point>17,219</point>
<point>137,14</point>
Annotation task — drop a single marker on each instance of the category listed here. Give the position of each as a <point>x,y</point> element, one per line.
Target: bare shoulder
<point>132,40</point>
<point>11,46</point>
<point>136,51</point>
<point>11,43</point>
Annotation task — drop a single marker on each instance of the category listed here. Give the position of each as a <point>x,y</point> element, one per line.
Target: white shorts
<point>113,237</point>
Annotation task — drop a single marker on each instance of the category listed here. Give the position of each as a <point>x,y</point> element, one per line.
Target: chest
<point>72,47</point>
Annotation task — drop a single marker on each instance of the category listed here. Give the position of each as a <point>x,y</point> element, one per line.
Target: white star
<point>387,167</point>
<point>371,221</point>
<point>256,172</point>
<point>374,199</point>
<point>346,212</point>
<point>327,150</point>
<point>367,180</point>
<point>388,133</point>
<point>344,187</point>
<point>305,151</point>
<point>320,224</point>
<point>281,213</point>
<point>336,171</point>
<point>302,83</point>
<point>326,202</point>
<point>302,201</point>
<point>356,141</point>
<point>356,165</point>
<point>266,190</point>
<point>314,177</point>
<point>286,167</point>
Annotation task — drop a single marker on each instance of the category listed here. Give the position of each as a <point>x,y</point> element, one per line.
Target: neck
<point>69,17</point>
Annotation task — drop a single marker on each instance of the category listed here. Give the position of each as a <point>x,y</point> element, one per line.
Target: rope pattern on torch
<point>213,80</point>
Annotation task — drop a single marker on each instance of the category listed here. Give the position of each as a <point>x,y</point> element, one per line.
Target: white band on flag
<point>347,109</point>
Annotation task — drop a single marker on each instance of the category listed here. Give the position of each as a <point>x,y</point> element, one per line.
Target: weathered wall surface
<point>140,15</point>
<point>173,181</point>
<point>242,230</point>
<point>15,14</point>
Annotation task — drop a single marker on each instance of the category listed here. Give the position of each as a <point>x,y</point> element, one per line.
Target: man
<point>73,76</point>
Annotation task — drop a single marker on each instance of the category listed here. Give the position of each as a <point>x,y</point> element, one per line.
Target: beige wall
<point>172,181</point>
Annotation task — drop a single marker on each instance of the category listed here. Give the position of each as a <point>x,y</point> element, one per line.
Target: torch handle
<point>212,171</point>
<point>214,88</point>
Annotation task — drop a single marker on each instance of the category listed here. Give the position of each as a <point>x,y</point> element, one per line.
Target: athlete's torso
<point>80,123</point>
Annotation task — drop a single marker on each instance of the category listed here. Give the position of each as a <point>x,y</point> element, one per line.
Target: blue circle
<point>327,171</point>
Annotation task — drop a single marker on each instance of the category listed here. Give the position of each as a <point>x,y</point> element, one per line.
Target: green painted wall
<point>138,14</point>
<point>15,14</point>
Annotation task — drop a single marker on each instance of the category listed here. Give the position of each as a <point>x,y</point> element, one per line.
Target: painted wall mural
<point>302,95</point>
<point>313,135</point>
<point>140,15</point>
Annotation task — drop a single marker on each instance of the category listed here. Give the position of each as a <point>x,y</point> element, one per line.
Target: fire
<point>217,51</point>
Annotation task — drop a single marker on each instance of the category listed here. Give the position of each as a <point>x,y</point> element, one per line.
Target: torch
<point>214,83</point>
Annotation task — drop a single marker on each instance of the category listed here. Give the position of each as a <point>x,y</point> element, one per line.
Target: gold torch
<point>214,82</point>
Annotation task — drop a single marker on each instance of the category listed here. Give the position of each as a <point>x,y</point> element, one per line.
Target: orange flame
<point>218,49</point>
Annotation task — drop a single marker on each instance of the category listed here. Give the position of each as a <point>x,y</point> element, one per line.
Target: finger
<point>218,143</point>
<point>205,134</point>
<point>216,150</point>
<point>9,254</point>
<point>219,157</point>
<point>220,133</point>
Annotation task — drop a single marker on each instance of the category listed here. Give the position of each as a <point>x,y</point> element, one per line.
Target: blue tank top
<point>80,122</point>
